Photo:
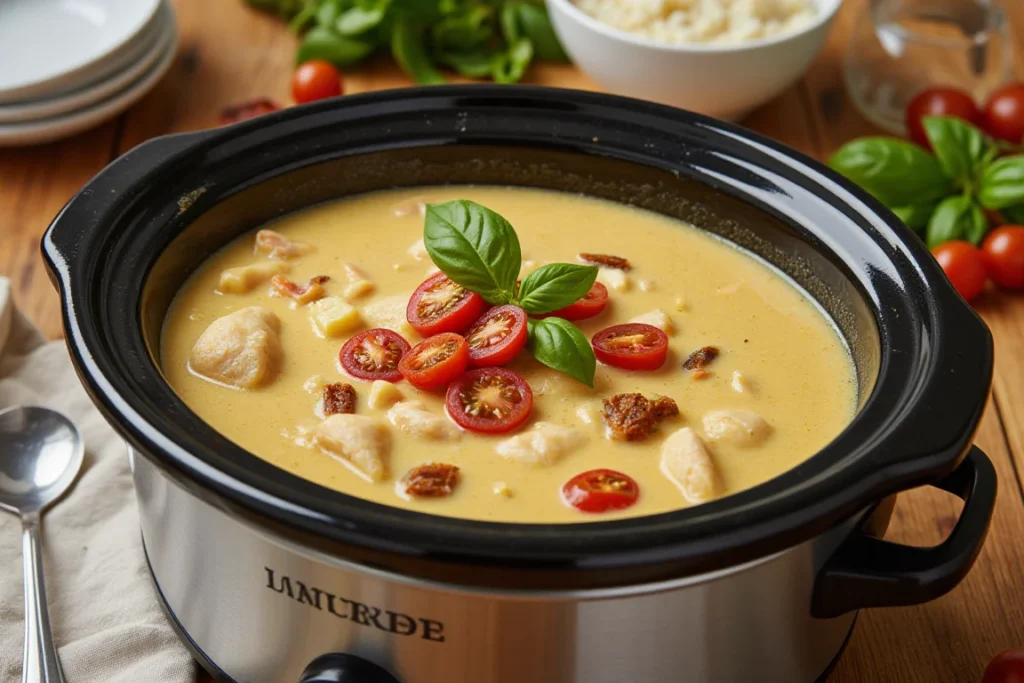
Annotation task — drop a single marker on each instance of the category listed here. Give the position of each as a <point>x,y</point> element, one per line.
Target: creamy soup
<point>759,377</point>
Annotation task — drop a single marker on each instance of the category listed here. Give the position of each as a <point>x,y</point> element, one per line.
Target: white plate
<point>47,130</point>
<point>156,44</point>
<point>47,46</point>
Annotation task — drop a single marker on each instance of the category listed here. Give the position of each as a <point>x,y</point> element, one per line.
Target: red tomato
<point>316,79</point>
<point>964,266</point>
<point>938,102</point>
<point>1003,253</point>
<point>440,305</point>
<point>1004,114</point>
<point>600,491</point>
<point>489,400</point>
<point>374,354</point>
<point>247,110</point>
<point>497,336</point>
<point>592,303</point>
<point>1005,667</point>
<point>633,346</point>
<point>435,361</point>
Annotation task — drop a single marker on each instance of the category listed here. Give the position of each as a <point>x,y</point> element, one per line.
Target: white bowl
<point>725,81</point>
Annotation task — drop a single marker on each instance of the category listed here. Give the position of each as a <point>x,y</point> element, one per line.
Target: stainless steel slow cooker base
<point>260,609</point>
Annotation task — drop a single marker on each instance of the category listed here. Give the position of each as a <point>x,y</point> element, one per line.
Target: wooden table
<point>230,54</point>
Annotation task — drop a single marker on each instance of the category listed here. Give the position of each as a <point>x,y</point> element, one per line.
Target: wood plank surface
<point>229,54</point>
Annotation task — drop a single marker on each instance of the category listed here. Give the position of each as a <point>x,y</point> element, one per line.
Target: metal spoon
<point>40,455</point>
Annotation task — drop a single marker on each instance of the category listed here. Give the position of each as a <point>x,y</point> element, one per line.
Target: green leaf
<point>956,218</point>
<point>410,52</point>
<point>510,67</point>
<point>961,148</point>
<point>322,43</point>
<point>561,345</point>
<point>1002,185</point>
<point>463,32</point>
<point>897,173</point>
<point>360,20</point>
<point>328,12</point>
<point>509,19</point>
<point>303,18</point>
<point>915,216</point>
<point>555,286</point>
<point>536,25</point>
<point>475,247</point>
<point>476,64</point>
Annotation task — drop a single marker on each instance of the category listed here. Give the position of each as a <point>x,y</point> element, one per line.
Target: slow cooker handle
<point>868,572</point>
<point>338,667</point>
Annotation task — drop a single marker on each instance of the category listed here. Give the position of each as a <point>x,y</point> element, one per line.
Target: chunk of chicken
<point>244,279</point>
<point>687,461</point>
<point>740,427</point>
<point>614,278</point>
<point>277,246</point>
<point>362,442</point>
<point>741,383</point>
<point>658,318</point>
<point>545,444</point>
<point>389,313</point>
<point>359,284</point>
<point>241,349</point>
<point>334,317</point>
<point>412,418</point>
<point>383,394</point>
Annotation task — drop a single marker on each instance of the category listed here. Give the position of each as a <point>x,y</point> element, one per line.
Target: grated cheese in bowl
<point>702,21</point>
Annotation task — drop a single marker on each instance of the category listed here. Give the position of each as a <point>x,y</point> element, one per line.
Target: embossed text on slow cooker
<point>356,612</point>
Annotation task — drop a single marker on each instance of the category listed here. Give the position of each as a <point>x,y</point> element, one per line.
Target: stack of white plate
<point>68,66</point>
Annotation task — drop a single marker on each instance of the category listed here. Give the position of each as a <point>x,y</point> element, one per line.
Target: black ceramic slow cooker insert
<point>263,572</point>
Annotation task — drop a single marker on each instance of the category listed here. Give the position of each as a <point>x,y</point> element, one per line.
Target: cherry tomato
<point>938,102</point>
<point>435,361</point>
<point>1003,253</point>
<point>497,336</point>
<point>374,354</point>
<point>314,80</point>
<point>489,400</point>
<point>633,346</point>
<point>247,110</point>
<point>592,303</point>
<point>440,305</point>
<point>1005,667</point>
<point>1004,114</point>
<point>964,266</point>
<point>600,491</point>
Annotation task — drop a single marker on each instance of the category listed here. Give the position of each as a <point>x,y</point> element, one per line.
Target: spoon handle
<point>40,664</point>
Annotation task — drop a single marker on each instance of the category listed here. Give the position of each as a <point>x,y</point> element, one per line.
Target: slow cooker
<point>269,578</point>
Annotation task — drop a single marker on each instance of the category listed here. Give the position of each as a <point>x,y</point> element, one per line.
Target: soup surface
<point>781,386</point>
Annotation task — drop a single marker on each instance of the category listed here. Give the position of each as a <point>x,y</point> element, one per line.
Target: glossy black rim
<point>935,368</point>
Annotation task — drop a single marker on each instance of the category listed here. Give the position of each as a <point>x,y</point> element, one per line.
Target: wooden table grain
<point>229,54</point>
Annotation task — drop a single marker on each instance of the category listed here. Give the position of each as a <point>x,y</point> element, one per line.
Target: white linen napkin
<point>107,624</point>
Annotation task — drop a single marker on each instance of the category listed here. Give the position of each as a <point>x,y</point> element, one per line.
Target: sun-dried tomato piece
<point>247,110</point>
<point>338,398</point>
<point>699,360</point>
<point>631,417</point>
<point>433,480</point>
<point>606,260</point>
<point>314,290</point>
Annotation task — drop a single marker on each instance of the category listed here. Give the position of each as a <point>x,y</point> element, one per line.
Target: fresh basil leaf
<point>511,66</point>
<point>328,12</point>
<point>1002,185</point>
<point>536,25</point>
<point>555,286</point>
<point>960,147</point>
<point>915,216</point>
<point>359,20</point>
<point>1013,214</point>
<point>476,64</point>
<point>897,173</point>
<point>475,247</point>
<point>410,52</point>
<point>303,18</point>
<point>560,345</point>
<point>509,20</point>
<point>464,31</point>
<point>956,218</point>
<point>322,43</point>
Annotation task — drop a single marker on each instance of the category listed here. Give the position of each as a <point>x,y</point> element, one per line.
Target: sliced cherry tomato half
<point>489,400</point>
<point>435,361</point>
<point>440,305</point>
<point>600,491</point>
<point>592,303</point>
<point>633,346</point>
<point>374,354</point>
<point>497,336</point>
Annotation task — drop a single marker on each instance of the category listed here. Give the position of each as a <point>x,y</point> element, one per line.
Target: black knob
<point>342,668</point>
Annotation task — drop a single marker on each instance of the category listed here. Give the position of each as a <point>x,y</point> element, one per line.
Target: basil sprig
<point>477,248</point>
<point>944,194</point>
